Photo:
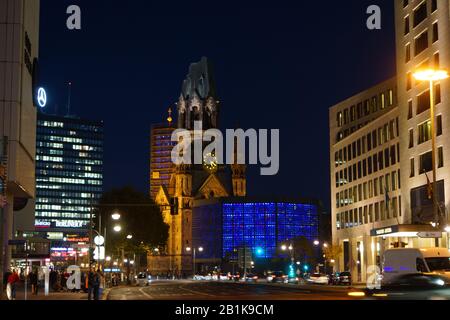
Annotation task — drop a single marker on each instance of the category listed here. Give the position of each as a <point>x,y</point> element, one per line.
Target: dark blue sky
<point>277,66</point>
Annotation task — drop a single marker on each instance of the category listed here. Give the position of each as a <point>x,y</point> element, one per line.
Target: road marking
<point>196,292</point>
<point>146,294</point>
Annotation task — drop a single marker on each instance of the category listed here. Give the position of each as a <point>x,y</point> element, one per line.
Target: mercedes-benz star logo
<point>42,97</point>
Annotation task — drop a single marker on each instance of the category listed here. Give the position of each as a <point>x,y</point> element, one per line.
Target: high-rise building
<point>19,48</point>
<point>380,149</point>
<point>161,145</point>
<point>69,171</point>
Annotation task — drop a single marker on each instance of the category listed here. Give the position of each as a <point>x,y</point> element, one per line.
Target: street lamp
<point>115,216</point>
<point>117,228</point>
<point>108,258</point>
<point>432,75</point>
<point>194,252</point>
<point>129,237</point>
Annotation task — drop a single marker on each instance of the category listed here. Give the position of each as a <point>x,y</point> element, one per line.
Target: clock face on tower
<point>210,162</point>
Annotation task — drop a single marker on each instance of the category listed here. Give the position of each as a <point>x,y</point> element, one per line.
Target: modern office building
<point>380,149</point>
<point>161,145</point>
<point>19,48</point>
<point>225,227</point>
<point>69,172</point>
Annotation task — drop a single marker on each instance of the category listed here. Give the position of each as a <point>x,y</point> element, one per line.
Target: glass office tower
<point>69,171</point>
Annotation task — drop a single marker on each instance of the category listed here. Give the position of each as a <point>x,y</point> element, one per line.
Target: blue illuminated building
<point>223,227</point>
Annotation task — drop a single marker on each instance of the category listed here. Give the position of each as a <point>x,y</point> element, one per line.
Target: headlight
<point>440,282</point>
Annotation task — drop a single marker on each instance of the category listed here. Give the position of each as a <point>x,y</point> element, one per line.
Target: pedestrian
<point>13,279</point>
<point>33,276</point>
<point>97,281</point>
<point>91,282</point>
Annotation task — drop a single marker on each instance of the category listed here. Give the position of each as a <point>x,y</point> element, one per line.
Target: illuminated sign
<point>99,253</point>
<point>384,231</point>
<point>55,235</point>
<point>86,239</point>
<point>43,224</point>
<point>69,224</point>
<point>41,97</point>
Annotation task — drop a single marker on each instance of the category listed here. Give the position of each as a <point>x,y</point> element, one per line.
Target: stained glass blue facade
<point>263,226</point>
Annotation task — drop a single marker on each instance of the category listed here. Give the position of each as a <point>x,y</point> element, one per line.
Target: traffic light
<point>91,254</point>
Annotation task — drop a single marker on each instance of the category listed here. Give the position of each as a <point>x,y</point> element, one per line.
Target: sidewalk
<point>61,296</point>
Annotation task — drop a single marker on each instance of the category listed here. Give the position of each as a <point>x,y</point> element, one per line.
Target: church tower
<point>197,102</point>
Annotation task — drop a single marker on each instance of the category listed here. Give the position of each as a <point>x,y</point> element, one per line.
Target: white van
<point>398,262</point>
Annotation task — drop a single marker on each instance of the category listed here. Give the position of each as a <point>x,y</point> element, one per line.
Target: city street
<point>190,290</point>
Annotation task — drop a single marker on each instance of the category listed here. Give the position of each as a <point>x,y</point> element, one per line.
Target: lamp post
<point>194,252</point>
<point>432,75</point>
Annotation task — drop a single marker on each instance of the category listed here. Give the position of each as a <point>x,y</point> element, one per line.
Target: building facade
<point>19,48</point>
<point>69,172</point>
<point>380,149</point>
<point>192,182</point>
<point>161,165</point>
<point>225,227</point>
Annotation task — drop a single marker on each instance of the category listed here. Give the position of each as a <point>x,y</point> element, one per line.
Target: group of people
<point>94,283</point>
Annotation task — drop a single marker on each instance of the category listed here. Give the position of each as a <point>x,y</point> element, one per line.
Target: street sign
<point>432,234</point>
<point>16,242</point>
<point>99,240</point>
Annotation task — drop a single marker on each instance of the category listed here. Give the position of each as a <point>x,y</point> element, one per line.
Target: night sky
<point>278,66</point>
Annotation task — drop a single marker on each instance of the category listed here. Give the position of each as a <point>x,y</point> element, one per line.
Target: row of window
<point>424,132</point>
<point>383,134</point>
<point>69,181</point>
<point>62,215</point>
<point>419,14</point>
<point>426,162</point>
<point>66,153</point>
<point>365,108</point>
<point>51,186</point>
<point>68,167</point>
<point>68,125</point>
<point>368,190</point>
<point>79,174</point>
<point>422,42</point>
<point>65,139</point>
<point>377,162</point>
<point>59,194</point>
<point>59,208</point>
<point>377,212</point>
<point>69,160</point>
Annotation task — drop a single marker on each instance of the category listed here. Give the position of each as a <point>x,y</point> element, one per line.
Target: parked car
<point>344,278</point>
<point>143,279</point>
<point>319,278</point>
<point>276,277</point>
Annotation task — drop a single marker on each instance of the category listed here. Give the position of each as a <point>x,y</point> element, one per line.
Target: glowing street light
<point>200,249</point>
<point>447,229</point>
<point>125,260</point>
<point>432,75</point>
<point>316,243</point>
<point>129,237</point>
<point>284,247</point>
<point>115,216</point>
<point>325,245</point>
<point>117,228</point>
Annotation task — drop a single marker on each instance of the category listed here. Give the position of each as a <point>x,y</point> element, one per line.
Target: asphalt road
<point>198,290</point>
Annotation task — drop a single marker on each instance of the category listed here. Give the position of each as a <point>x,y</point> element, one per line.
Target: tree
<point>332,252</point>
<point>140,217</point>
